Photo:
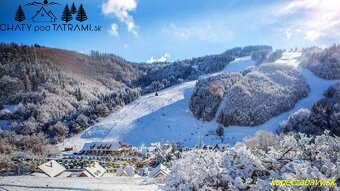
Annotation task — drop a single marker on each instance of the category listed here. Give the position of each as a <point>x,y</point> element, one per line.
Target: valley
<point>166,117</point>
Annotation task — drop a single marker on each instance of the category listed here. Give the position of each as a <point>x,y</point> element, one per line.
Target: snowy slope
<point>167,117</point>
<point>239,64</point>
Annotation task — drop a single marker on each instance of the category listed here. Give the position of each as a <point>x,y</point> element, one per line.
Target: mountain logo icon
<point>43,16</point>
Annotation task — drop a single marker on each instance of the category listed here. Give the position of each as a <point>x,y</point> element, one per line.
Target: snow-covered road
<point>167,117</point>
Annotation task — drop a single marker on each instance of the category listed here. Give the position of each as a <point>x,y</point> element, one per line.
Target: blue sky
<point>141,30</point>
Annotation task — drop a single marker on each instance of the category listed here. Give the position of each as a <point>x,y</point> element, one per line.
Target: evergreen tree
<point>67,15</point>
<point>79,94</point>
<point>81,15</point>
<point>20,15</point>
<point>220,130</point>
<point>73,9</point>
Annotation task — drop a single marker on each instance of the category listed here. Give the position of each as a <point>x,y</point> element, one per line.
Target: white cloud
<point>319,19</point>
<point>202,31</point>
<point>114,30</point>
<point>166,57</point>
<point>312,35</point>
<point>121,9</point>
<point>288,35</point>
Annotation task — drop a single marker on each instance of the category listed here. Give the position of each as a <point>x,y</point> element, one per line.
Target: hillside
<point>61,92</point>
<point>324,115</point>
<point>323,63</point>
<point>264,92</point>
<point>153,118</point>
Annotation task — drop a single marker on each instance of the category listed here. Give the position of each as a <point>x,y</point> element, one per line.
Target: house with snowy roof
<point>125,171</point>
<point>159,172</point>
<point>43,16</point>
<point>100,148</point>
<point>94,170</point>
<point>51,169</point>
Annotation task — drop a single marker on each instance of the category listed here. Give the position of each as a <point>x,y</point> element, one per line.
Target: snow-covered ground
<point>32,183</point>
<point>167,117</point>
<point>239,64</point>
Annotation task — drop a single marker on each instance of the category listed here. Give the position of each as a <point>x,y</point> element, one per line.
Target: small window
<point>42,15</point>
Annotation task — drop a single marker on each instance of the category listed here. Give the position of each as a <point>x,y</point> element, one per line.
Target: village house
<point>159,172</point>
<point>101,148</point>
<point>94,170</point>
<point>128,171</point>
<point>143,171</point>
<point>51,169</point>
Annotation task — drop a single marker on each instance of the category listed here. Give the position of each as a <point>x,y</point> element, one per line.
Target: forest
<point>61,93</point>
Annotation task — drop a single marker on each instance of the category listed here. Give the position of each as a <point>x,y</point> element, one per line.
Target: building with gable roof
<point>51,168</point>
<point>94,170</point>
<point>159,172</point>
<point>100,148</point>
<point>127,171</point>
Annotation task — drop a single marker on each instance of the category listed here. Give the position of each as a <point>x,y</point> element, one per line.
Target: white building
<point>127,171</point>
<point>51,169</point>
<point>100,148</point>
<point>159,172</point>
<point>94,170</point>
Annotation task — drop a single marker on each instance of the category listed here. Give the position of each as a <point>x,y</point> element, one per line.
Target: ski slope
<point>167,117</point>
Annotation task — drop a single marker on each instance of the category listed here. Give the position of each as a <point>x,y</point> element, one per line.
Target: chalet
<point>94,170</point>
<point>143,171</point>
<point>127,171</point>
<point>100,148</point>
<point>159,172</point>
<point>43,16</point>
<point>51,168</point>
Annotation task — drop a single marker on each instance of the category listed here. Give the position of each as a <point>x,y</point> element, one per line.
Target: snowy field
<point>31,183</point>
<point>167,116</point>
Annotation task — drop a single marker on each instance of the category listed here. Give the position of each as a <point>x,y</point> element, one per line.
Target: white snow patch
<point>239,64</point>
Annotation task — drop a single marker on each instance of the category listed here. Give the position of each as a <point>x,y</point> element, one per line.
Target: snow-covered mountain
<point>167,116</point>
